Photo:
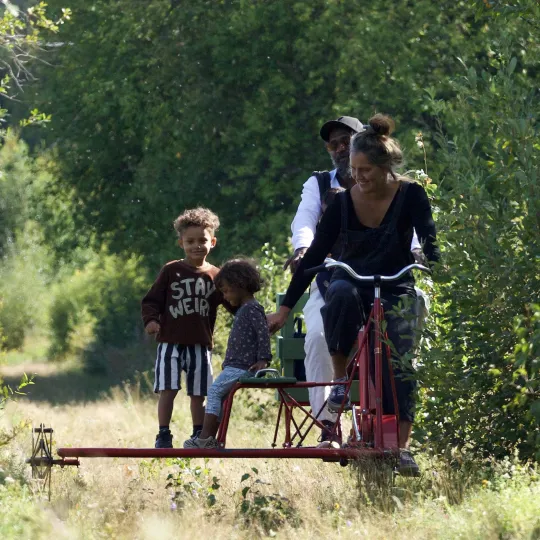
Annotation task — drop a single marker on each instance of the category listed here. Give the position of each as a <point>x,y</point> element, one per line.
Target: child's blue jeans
<point>221,388</point>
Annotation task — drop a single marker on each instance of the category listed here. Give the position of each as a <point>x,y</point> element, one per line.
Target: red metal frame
<point>327,454</point>
<point>376,436</point>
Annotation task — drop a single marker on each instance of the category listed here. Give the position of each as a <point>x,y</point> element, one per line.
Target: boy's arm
<point>221,301</point>
<point>153,304</point>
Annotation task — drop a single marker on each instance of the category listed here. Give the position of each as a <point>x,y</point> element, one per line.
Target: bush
<point>9,394</point>
<point>24,278</point>
<point>16,174</point>
<point>261,511</point>
<point>97,306</point>
<point>481,359</point>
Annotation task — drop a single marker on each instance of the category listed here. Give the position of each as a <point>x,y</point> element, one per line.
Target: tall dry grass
<point>128,499</point>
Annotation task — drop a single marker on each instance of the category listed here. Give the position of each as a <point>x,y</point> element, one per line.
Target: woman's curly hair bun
<point>382,125</point>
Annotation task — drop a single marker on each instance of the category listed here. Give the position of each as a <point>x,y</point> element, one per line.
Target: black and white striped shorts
<point>194,360</point>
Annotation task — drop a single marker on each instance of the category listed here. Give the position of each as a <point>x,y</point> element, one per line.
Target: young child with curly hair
<point>248,347</point>
<point>180,310</point>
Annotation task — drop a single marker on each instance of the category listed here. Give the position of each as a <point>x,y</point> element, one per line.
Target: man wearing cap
<point>318,364</point>
<point>337,136</point>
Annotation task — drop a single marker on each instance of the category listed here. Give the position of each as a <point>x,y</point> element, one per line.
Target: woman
<point>375,218</point>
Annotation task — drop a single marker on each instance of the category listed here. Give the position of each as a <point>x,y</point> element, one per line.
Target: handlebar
<point>331,263</point>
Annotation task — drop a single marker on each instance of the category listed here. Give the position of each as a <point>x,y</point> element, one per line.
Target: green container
<point>290,351</point>
<point>290,348</point>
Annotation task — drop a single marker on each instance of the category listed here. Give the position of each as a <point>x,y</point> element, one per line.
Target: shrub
<point>480,369</point>
<point>264,512</point>
<point>190,481</point>
<point>23,287</point>
<point>98,306</point>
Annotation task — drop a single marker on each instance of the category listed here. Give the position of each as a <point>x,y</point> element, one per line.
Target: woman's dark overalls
<point>375,251</point>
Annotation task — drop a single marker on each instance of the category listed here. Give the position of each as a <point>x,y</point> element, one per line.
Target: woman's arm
<point>422,221</point>
<point>325,237</point>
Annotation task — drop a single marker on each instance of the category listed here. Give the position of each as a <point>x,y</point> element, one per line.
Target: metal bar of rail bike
<point>42,448</point>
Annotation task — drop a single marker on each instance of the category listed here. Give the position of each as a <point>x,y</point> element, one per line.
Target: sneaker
<point>164,439</point>
<point>329,444</point>
<point>337,397</point>
<point>327,439</point>
<point>407,466</point>
<point>196,442</point>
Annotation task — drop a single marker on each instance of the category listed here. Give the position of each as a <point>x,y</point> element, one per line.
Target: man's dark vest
<point>324,180</point>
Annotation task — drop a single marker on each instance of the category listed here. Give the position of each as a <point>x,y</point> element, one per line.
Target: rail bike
<point>371,434</point>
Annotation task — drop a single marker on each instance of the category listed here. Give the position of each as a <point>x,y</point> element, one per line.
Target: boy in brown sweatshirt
<point>180,310</point>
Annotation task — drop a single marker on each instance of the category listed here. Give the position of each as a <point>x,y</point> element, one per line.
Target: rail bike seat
<point>259,378</point>
<point>290,348</point>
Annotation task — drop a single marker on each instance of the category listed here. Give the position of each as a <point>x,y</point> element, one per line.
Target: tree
<point>482,365</point>
<point>21,44</point>
<point>220,103</point>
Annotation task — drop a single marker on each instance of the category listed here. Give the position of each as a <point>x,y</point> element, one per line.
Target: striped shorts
<point>194,360</point>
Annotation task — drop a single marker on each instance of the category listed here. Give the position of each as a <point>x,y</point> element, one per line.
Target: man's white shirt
<point>309,212</point>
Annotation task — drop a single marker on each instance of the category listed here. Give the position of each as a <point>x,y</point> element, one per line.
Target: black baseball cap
<point>347,122</point>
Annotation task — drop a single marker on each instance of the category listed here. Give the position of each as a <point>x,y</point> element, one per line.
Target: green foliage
<point>453,480</point>
<point>29,191</point>
<point>24,277</point>
<point>481,362</point>
<point>26,263</point>
<point>263,512</point>
<point>192,481</point>
<point>16,174</point>
<point>179,112</point>
<point>275,280</point>
<point>20,518</point>
<point>176,111</point>
<point>96,306</point>
<point>21,43</point>
<point>9,394</point>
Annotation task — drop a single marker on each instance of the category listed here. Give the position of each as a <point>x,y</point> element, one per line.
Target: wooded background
<point>132,111</point>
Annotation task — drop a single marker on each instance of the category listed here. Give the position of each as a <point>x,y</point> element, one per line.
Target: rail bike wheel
<point>41,460</point>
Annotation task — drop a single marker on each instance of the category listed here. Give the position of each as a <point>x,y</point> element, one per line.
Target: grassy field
<point>112,498</point>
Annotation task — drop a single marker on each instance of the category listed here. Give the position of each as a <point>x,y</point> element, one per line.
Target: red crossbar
<point>327,454</point>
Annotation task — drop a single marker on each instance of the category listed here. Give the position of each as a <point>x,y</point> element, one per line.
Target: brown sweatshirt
<point>184,301</point>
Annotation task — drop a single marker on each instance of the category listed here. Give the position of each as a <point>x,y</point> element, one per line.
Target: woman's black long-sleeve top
<point>415,213</point>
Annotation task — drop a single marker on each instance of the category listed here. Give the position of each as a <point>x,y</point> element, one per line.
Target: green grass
<point>113,498</point>
<point>129,499</point>
<point>34,349</point>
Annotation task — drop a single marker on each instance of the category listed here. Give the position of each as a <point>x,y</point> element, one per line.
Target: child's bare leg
<point>165,406</point>
<point>197,410</point>
<point>210,426</point>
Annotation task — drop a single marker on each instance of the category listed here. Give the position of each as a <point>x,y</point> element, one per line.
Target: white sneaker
<point>329,444</point>
<point>197,442</point>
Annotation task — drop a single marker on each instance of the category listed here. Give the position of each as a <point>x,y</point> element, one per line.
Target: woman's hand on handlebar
<point>276,321</point>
